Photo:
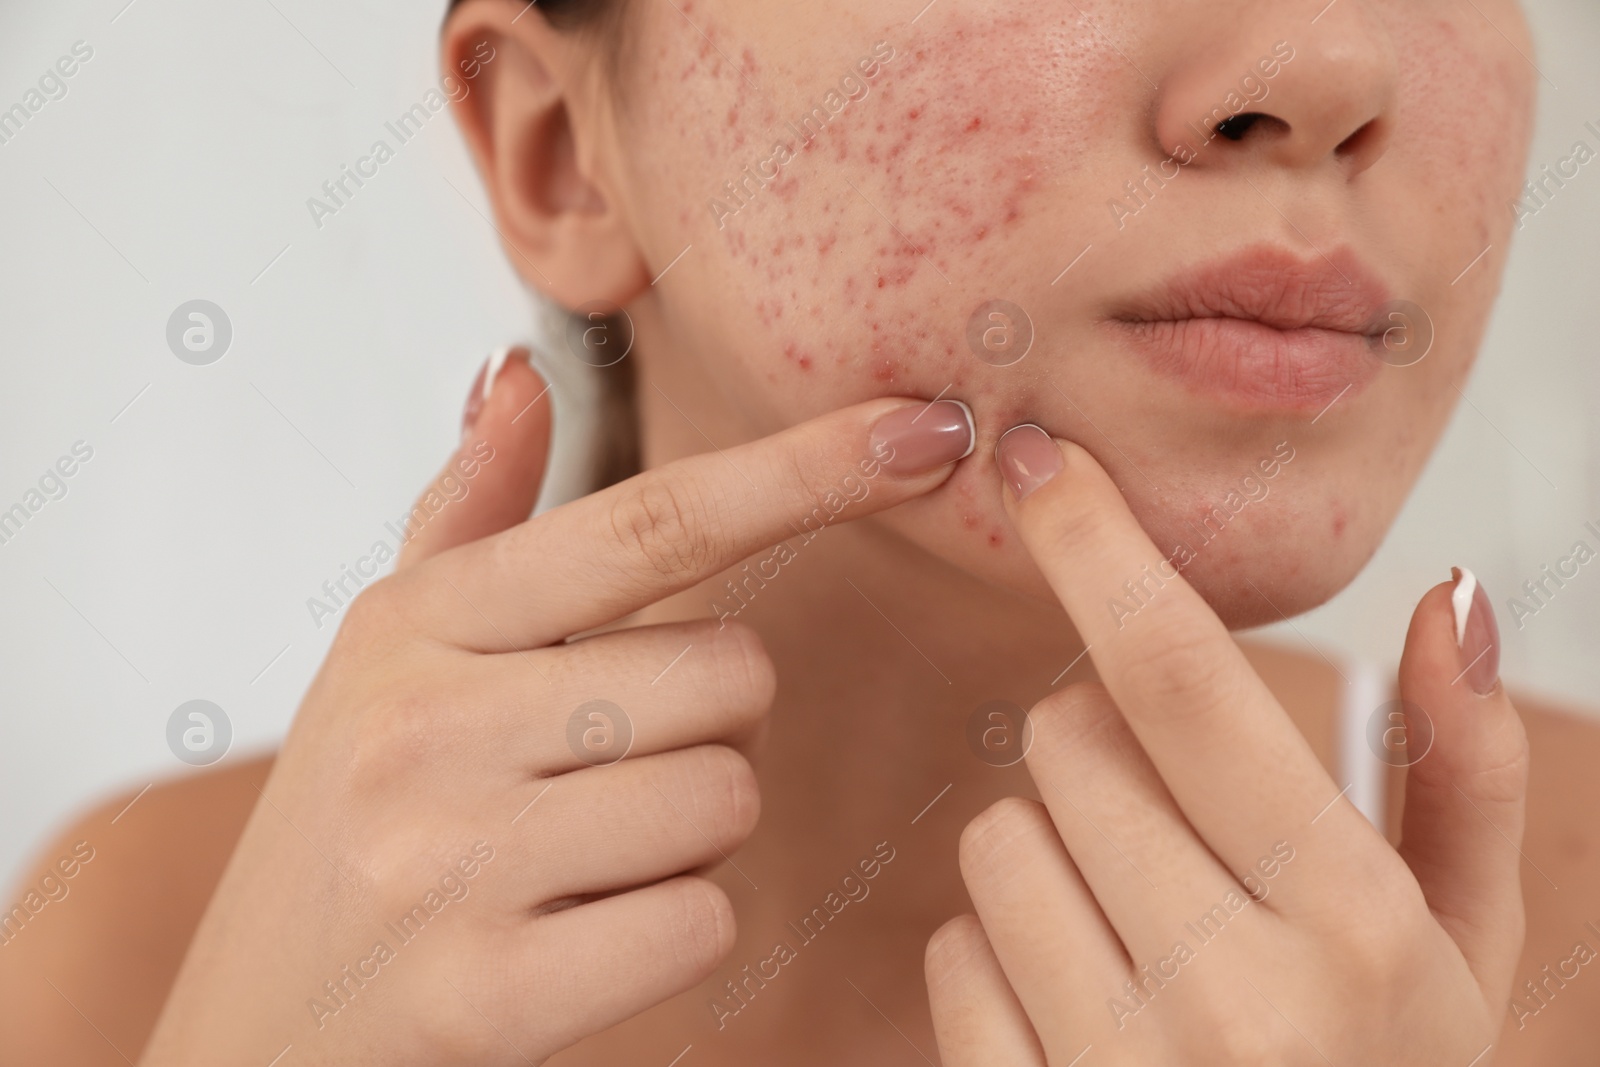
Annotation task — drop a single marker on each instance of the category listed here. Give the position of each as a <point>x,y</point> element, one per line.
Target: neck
<point>883,654</point>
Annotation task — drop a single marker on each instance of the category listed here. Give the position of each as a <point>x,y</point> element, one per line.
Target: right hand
<point>429,767</point>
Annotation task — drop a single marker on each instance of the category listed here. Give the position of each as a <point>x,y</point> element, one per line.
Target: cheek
<point>849,238</point>
<point>1467,101</point>
<point>1463,130</point>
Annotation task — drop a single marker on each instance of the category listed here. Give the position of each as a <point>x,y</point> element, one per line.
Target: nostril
<point>1235,128</point>
<point>1357,142</point>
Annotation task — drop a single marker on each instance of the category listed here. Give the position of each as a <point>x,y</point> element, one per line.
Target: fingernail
<point>1477,633</point>
<point>1027,457</point>
<point>482,386</point>
<point>915,440</point>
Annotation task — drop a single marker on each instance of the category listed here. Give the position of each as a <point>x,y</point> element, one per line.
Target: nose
<point>1295,94</point>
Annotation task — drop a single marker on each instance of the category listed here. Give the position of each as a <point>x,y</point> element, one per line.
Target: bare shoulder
<point>95,930</point>
<point>1554,1014</point>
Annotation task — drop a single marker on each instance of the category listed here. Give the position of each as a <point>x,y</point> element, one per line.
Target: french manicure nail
<point>482,386</point>
<point>1477,632</point>
<point>915,440</point>
<point>1028,457</point>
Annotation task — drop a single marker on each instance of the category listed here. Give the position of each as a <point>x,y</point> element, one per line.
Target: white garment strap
<point>1359,764</point>
<point>577,394</point>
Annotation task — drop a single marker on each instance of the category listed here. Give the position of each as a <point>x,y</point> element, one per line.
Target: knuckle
<point>1075,719</point>
<point>1501,778</point>
<point>372,615</point>
<point>1377,951</point>
<point>817,482</point>
<point>1180,672</point>
<point>1075,518</point>
<point>658,521</point>
<point>994,842</point>
<point>1245,1040</point>
<point>453,1034</point>
<point>396,738</point>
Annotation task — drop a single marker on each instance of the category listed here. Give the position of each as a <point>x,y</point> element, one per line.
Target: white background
<point>179,563</point>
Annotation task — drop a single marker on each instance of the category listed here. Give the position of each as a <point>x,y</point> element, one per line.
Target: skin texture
<point>1003,136</point>
<point>1184,768</point>
<point>981,162</point>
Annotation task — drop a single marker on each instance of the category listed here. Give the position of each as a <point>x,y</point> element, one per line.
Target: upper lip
<point>1269,285</point>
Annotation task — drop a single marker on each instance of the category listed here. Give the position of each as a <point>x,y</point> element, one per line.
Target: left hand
<point>1194,888</point>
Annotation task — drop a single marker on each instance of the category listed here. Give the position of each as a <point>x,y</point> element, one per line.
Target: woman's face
<point>882,201</point>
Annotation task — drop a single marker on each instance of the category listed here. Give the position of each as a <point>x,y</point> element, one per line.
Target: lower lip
<point>1252,366</point>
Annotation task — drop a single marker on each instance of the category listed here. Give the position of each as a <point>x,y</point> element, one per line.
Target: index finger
<point>1235,763</point>
<point>607,555</point>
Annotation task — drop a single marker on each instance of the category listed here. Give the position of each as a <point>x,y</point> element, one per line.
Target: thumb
<point>1466,789</point>
<point>492,481</point>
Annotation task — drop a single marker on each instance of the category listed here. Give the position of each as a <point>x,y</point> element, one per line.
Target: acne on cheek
<point>907,205</point>
<point>1468,62</point>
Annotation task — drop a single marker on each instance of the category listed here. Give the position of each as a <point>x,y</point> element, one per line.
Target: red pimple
<point>996,539</point>
<point>792,351</point>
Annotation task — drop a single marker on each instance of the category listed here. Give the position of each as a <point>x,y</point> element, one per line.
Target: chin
<point>1258,557</point>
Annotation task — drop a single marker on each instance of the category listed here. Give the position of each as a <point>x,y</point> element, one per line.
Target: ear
<point>537,117</point>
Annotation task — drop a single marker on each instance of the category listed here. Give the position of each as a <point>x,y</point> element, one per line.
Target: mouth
<point>1261,330</point>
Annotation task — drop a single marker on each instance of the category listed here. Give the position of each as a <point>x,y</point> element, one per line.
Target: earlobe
<point>534,122</point>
